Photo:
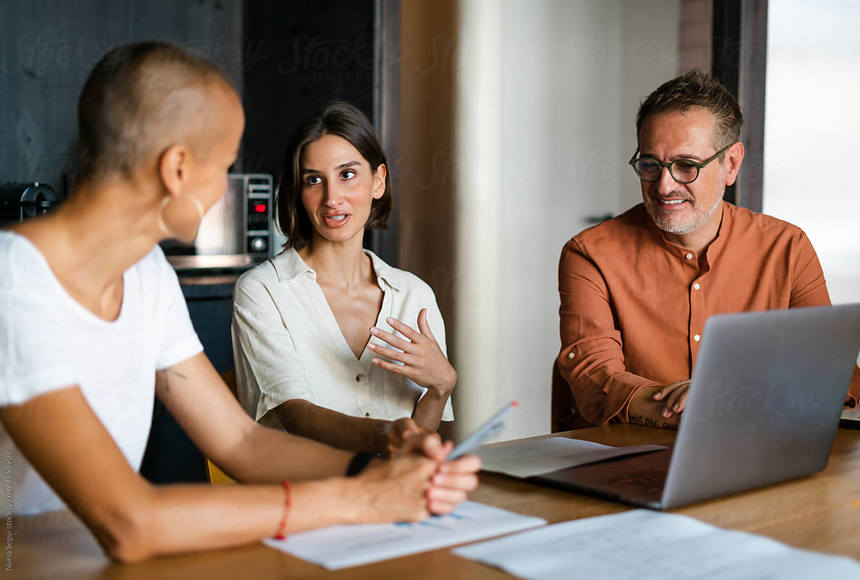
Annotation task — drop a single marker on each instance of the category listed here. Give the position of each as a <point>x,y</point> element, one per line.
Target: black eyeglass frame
<point>633,162</point>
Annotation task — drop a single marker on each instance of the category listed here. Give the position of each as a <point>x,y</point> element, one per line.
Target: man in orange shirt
<point>636,290</point>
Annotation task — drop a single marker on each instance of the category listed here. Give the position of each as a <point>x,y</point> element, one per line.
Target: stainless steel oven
<point>236,233</point>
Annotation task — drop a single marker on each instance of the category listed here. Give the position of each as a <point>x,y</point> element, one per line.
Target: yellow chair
<point>216,476</point>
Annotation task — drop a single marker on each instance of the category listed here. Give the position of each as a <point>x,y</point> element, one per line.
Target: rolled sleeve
<point>268,369</point>
<point>591,358</point>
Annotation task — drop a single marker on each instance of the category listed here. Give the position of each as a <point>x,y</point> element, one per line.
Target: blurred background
<point>507,124</point>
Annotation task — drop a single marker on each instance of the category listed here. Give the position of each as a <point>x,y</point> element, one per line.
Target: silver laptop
<point>763,407</point>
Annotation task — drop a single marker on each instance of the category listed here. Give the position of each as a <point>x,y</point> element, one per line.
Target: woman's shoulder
<point>398,279</point>
<point>22,265</point>
<point>283,267</point>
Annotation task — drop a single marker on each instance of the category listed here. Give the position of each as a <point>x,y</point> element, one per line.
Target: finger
<point>440,508</point>
<point>462,481</point>
<point>446,495</point>
<point>682,401</point>
<point>414,441</point>
<point>467,464</point>
<point>663,392</point>
<point>448,447</point>
<point>424,325</point>
<point>409,444</point>
<point>388,352</point>
<point>391,339</point>
<point>407,371</point>
<point>407,426</point>
<point>403,329</point>
<point>672,398</point>
<point>674,401</point>
<point>408,469</point>
<point>403,431</point>
<point>431,446</point>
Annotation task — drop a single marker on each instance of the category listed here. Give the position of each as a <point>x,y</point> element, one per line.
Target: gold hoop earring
<point>179,216</point>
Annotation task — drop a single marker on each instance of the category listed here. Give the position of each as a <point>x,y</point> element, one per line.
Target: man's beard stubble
<point>667,226</point>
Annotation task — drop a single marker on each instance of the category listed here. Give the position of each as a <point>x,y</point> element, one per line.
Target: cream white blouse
<point>287,343</point>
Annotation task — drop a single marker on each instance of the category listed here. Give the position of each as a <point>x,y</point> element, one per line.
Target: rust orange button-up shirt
<point>634,305</point>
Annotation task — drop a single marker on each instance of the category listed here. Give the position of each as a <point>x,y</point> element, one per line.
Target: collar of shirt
<point>712,251</point>
<point>289,266</point>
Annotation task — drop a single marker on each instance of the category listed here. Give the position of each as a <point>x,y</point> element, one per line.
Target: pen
<point>492,427</point>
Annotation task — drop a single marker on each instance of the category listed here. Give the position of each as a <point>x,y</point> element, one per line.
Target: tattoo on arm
<point>175,373</point>
<point>648,422</point>
<point>166,375</point>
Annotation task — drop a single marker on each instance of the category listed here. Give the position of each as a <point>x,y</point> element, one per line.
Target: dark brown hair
<point>131,104</point>
<point>696,89</point>
<point>336,118</point>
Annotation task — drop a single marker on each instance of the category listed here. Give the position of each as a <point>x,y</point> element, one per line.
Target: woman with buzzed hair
<point>92,310</point>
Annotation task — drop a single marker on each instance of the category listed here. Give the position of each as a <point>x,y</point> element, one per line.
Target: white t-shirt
<point>48,341</point>
<point>287,343</point>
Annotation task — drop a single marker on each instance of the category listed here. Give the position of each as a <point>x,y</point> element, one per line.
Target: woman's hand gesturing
<point>422,359</point>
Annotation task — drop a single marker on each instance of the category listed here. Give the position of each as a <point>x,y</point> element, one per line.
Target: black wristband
<point>358,463</point>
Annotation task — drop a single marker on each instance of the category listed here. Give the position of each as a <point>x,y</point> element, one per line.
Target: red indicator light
<point>260,208</point>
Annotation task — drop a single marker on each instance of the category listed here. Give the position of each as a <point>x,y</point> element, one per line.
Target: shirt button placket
<point>697,315</point>
<point>362,390</point>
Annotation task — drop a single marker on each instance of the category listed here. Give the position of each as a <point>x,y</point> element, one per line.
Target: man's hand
<point>673,397</point>
<point>648,406</point>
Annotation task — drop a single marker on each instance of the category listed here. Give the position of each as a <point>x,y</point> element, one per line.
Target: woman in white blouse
<point>331,342</point>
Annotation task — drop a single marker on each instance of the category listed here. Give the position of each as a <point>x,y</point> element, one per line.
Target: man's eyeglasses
<point>682,170</point>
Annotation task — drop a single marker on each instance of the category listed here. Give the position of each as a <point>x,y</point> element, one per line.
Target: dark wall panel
<point>48,47</point>
<point>303,54</point>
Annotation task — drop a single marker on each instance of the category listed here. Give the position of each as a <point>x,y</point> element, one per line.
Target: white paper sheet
<point>646,545</point>
<point>527,458</point>
<point>344,546</point>
<point>851,414</point>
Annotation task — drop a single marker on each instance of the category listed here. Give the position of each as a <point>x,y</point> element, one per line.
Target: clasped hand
<point>419,481</point>
<point>421,358</point>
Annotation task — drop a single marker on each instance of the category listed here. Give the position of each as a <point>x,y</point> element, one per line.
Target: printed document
<point>646,545</point>
<point>343,546</point>
<point>528,458</point>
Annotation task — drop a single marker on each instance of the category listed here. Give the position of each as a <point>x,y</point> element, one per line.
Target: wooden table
<point>820,513</point>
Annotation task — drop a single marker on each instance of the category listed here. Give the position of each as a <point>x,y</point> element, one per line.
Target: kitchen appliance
<point>236,233</point>
<point>19,201</point>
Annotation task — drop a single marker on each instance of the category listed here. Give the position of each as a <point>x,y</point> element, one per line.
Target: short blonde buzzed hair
<point>139,99</point>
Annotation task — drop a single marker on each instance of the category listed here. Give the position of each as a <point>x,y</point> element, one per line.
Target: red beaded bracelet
<point>288,502</point>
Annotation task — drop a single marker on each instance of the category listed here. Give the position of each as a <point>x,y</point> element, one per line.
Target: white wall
<point>547,92</point>
<point>812,131</point>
